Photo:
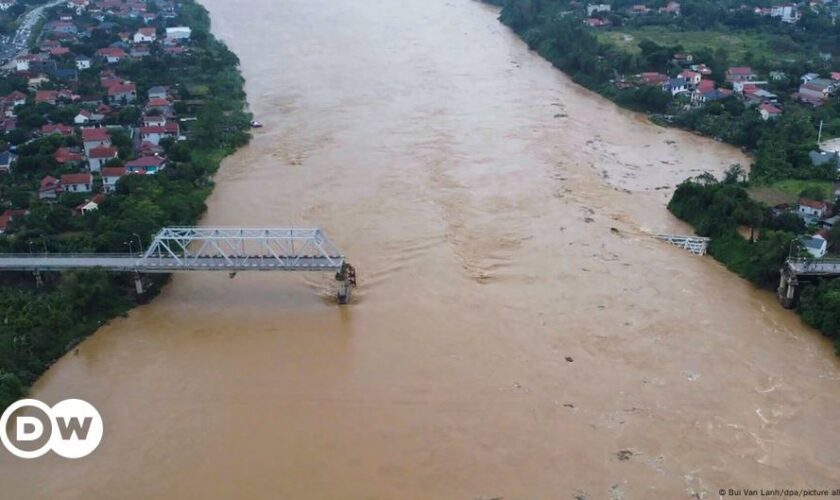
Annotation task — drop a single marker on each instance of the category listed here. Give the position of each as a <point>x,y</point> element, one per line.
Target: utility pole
<point>819,136</point>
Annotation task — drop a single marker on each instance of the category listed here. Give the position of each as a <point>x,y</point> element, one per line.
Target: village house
<point>146,165</point>
<point>682,58</point>
<point>7,158</point>
<point>598,7</point>
<point>83,63</point>
<point>639,10</point>
<point>57,128</point>
<point>820,158</point>
<point>91,205</point>
<point>807,77</point>
<point>692,78</point>
<point>47,96</point>
<point>99,156</point>
<point>111,55</point>
<point>788,13</point>
<point>768,111</point>
<point>739,74</point>
<point>594,22</point>
<point>161,106</point>
<point>815,245</point>
<point>140,51</point>
<point>16,98</point>
<point>158,92</point>
<point>811,210</point>
<point>675,86</point>
<point>86,117</point>
<point>77,183</point>
<point>145,35</point>
<point>670,8</point>
<point>652,78</point>
<point>94,138</point>
<point>49,188</point>
<point>67,156</point>
<point>154,120</point>
<point>122,93</point>
<point>110,176</point>
<point>8,216</point>
<point>184,32</point>
<point>816,91</point>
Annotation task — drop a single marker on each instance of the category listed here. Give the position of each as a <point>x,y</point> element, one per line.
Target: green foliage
<point>819,306</point>
<point>717,210</point>
<point>39,325</point>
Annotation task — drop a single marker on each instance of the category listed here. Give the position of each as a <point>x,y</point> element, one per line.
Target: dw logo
<point>72,428</point>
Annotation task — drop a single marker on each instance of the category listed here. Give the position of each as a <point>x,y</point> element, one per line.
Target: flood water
<point>516,332</point>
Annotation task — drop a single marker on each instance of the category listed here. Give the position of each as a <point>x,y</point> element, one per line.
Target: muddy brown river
<point>505,341</point>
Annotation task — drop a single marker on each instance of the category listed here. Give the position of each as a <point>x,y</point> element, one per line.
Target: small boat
<point>256,124</point>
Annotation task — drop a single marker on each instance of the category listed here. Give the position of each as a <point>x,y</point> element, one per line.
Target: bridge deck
<point>129,263</point>
<point>821,267</point>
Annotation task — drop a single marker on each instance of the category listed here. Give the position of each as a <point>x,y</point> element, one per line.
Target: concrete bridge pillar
<point>787,289</point>
<point>138,284</point>
<point>346,280</point>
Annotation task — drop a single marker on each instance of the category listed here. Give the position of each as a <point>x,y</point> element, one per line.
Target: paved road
<point>17,44</point>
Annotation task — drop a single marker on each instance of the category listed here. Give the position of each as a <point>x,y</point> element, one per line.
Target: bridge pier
<point>346,280</point>
<point>787,289</point>
<point>138,284</point>
<point>39,280</point>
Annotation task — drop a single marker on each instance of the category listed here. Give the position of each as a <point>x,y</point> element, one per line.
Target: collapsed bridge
<point>233,250</point>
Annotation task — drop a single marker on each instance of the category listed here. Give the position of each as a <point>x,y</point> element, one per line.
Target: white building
<point>182,33</point>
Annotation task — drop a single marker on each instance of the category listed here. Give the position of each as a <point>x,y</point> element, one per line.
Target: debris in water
<point>624,455</point>
<point>570,359</point>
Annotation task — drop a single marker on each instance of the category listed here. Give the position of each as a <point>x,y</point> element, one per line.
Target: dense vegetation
<point>724,212</point>
<point>38,325</point>
<point>555,29</point>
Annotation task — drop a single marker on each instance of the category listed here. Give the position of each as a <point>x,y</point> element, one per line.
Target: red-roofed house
<point>692,77</point>
<point>812,208</point>
<point>8,216</point>
<point>122,93</point>
<point>154,120</point>
<point>163,106</point>
<point>77,183</point>
<point>110,176</point>
<point>95,137</point>
<point>652,78</point>
<point>91,204</point>
<point>112,55</point>
<point>146,165</point>
<point>16,98</point>
<point>99,156</point>
<point>49,188</point>
<point>48,96</point>
<point>739,74</point>
<point>57,128</point>
<point>145,35</point>
<point>768,111</point>
<point>66,155</point>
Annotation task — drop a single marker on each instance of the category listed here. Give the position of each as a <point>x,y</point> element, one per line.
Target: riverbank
<point>758,261</point>
<point>200,80</point>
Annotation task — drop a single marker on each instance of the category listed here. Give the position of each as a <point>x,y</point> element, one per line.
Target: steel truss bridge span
<point>233,250</point>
